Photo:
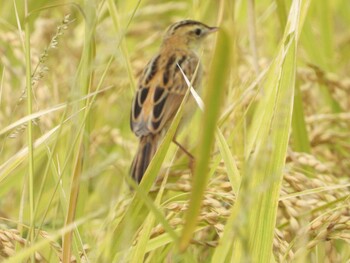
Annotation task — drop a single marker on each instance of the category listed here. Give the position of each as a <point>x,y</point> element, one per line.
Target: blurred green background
<point>85,59</point>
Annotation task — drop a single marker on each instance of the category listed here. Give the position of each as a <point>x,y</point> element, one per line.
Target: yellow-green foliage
<point>271,175</point>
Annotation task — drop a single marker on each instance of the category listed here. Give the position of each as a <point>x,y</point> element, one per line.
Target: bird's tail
<point>145,152</point>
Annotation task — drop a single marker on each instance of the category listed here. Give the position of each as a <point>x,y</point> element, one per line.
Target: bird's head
<point>188,33</point>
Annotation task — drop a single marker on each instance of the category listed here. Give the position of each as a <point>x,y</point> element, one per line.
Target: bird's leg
<point>191,157</point>
<point>183,149</point>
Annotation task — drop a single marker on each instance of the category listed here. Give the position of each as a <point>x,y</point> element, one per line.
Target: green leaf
<point>213,100</point>
<point>258,198</point>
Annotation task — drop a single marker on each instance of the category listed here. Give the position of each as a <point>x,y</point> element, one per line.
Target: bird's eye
<point>198,31</point>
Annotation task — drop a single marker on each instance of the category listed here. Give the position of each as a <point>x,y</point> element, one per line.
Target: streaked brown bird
<point>162,87</point>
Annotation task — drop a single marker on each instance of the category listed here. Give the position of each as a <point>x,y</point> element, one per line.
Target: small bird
<point>162,87</point>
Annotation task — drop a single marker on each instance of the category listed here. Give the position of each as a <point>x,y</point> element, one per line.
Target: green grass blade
<point>232,170</point>
<point>144,236</point>
<point>30,137</point>
<point>259,194</point>
<point>300,135</point>
<point>262,235</point>
<point>126,228</point>
<point>213,100</point>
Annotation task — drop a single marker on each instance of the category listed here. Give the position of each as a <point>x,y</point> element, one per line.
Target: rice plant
<point>270,181</point>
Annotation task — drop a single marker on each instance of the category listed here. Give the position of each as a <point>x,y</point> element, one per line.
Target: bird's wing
<point>160,92</point>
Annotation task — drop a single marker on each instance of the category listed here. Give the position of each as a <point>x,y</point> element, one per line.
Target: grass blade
<point>259,195</point>
<point>213,101</point>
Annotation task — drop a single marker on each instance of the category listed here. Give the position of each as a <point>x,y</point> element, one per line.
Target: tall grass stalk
<point>213,99</point>
<point>259,195</point>
<point>30,123</point>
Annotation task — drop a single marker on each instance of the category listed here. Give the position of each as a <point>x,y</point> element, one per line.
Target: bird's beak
<point>213,29</point>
